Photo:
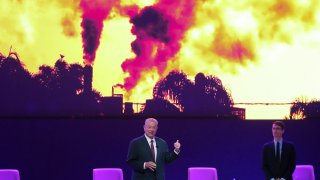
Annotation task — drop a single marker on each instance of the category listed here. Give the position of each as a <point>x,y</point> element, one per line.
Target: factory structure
<point>115,106</point>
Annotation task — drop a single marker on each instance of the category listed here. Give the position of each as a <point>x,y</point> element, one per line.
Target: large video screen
<point>215,58</point>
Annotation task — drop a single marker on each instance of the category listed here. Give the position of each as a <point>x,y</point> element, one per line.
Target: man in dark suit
<point>278,156</point>
<point>148,154</point>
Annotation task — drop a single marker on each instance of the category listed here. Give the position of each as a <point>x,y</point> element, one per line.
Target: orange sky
<point>263,51</point>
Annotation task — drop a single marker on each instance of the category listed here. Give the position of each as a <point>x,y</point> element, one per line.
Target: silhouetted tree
<point>172,87</point>
<point>18,89</point>
<point>302,109</point>
<point>62,79</point>
<point>64,84</point>
<point>88,104</point>
<point>206,96</point>
<point>53,91</point>
<point>160,107</point>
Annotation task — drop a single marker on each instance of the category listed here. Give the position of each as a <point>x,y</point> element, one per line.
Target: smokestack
<point>88,79</point>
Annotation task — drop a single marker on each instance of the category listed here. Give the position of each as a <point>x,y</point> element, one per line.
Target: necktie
<point>278,152</point>
<point>152,150</point>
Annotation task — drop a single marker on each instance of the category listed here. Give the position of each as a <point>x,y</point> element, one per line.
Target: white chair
<point>203,173</point>
<point>9,174</point>
<point>107,174</point>
<point>303,172</point>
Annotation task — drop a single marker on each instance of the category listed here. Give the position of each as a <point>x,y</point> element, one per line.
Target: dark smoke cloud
<point>91,37</point>
<point>153,23</point>
<point>94,13</point>
<point>159,30</point>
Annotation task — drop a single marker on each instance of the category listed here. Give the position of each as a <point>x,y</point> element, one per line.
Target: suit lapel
<point>158,148</point>
<point>272,148</point>
<point>283,150</point>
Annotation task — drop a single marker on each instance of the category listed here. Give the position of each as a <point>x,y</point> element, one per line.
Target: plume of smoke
<point>94,13</point>
<point>159,30</point>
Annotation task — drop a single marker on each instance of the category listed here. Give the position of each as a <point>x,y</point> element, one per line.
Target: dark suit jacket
<point>283,169</point>
<point>140,152</point>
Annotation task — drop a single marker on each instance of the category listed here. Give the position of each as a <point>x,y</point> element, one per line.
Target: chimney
<point>88,79</point>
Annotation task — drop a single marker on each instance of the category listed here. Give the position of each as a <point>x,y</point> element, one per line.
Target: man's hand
<point>177,146</point>
<point>150,165</point>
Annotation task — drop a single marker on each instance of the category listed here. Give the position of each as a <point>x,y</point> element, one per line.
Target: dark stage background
<point>68,149</point>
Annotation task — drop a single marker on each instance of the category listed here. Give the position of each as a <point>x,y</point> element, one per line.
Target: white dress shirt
<point>154,145</point>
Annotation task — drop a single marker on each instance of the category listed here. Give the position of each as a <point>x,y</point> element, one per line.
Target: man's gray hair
<point>150,120</point>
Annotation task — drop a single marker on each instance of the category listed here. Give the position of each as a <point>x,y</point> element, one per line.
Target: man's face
<point>277,131</point>
<point>150,128</point>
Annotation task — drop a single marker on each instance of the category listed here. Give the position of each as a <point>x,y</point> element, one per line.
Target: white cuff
<point>177,152</point>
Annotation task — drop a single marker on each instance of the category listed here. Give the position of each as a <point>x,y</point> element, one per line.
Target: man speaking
<point>148,154</point>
